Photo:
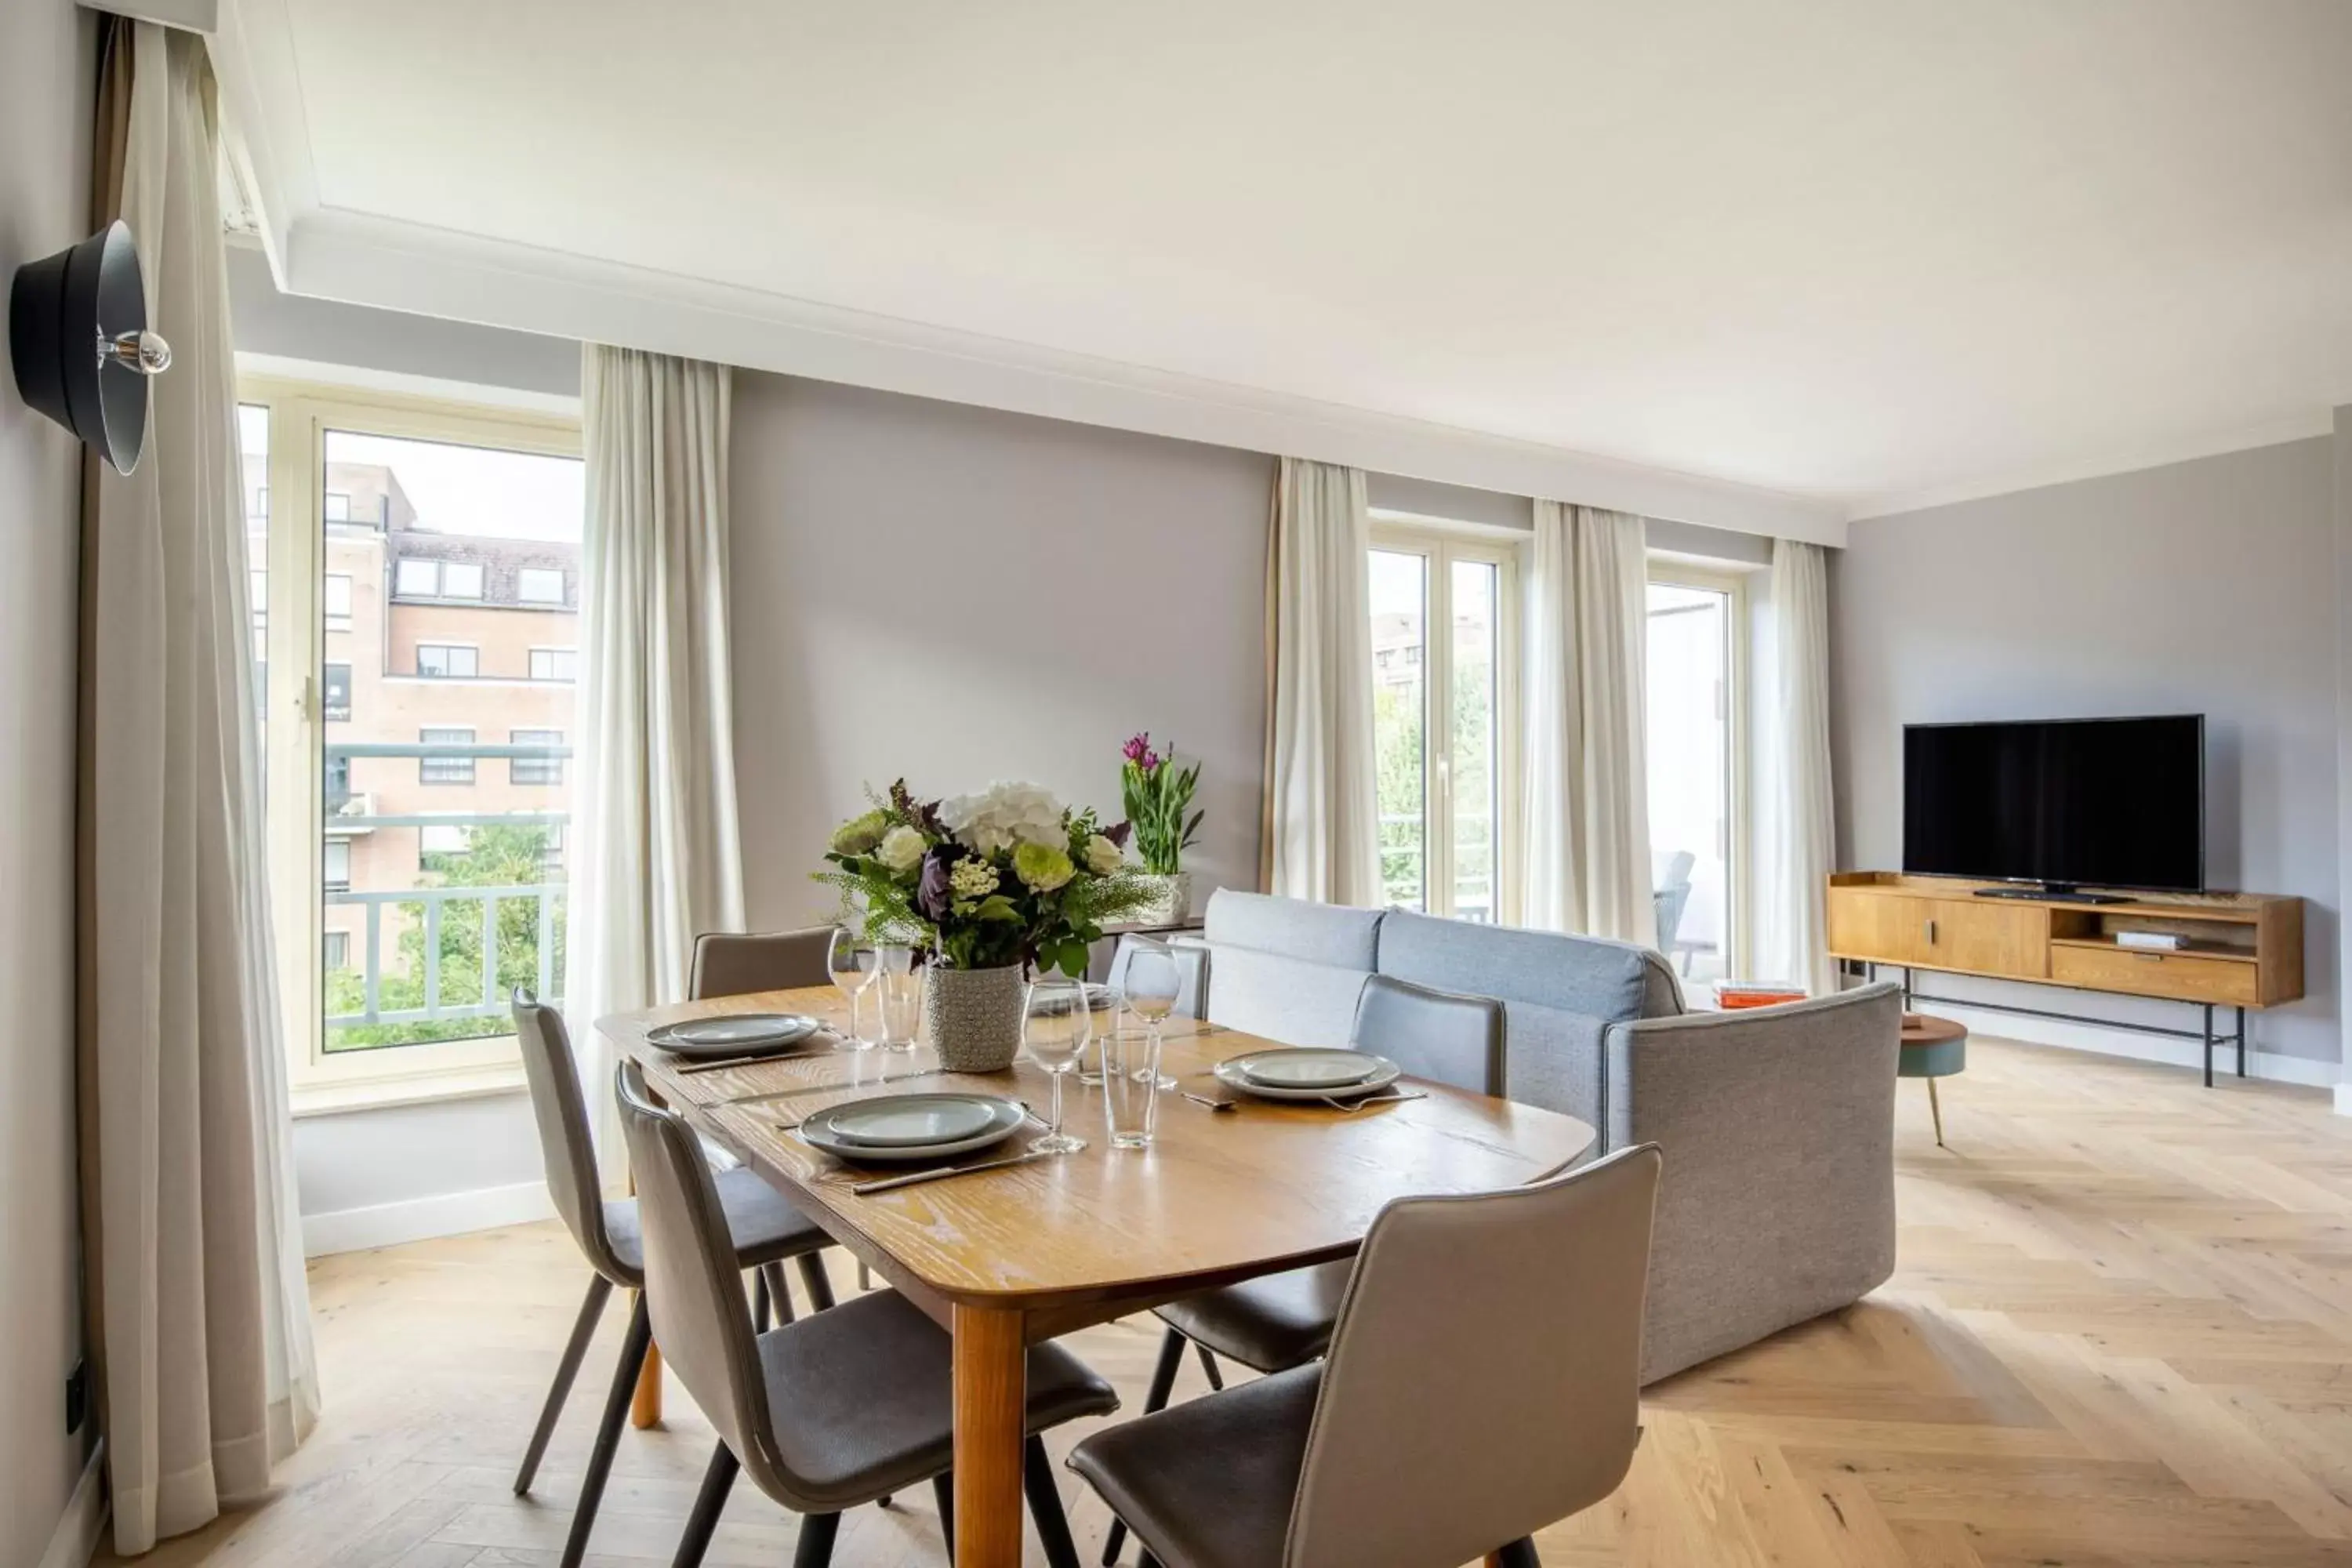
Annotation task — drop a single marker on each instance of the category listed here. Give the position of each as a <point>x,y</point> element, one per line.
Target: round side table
<point>1933,1049</point>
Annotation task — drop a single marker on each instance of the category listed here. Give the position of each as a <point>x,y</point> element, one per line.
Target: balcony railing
<point>477,995</point>
<point>1473,893</point>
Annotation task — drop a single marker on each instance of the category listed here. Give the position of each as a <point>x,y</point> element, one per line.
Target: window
<point>1445,720</point>
<point>418,578</point>
<point>1694,634</point>
<point>535,770</point>
<point>540,585</point>
<point>554,664</point>
<point>441,890</point>
<point>449,661</point>
<point>258,579</point>
<point>421,577</point>
<point>445,768</point>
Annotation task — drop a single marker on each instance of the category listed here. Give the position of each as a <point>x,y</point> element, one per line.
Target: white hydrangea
<point>1003,816</point>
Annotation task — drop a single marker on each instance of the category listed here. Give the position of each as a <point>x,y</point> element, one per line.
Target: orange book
<point>1733,993</point>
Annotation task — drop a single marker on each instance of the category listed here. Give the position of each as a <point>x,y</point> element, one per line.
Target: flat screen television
<point>2072,803</point>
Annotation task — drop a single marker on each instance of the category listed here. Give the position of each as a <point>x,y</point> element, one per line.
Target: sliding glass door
<point>1695,794</point>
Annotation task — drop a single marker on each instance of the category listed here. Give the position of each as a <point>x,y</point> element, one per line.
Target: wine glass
<point>1152,984</point>
<point>1057,1020</point>
<point>854,964</point>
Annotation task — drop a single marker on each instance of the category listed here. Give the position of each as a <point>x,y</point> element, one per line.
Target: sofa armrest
<point>1778,1202</point>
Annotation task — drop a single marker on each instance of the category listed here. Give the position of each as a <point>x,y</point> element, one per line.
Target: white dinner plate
<point>737,1034</point>
<point>1236,1072</point>
<point>819,1132</point>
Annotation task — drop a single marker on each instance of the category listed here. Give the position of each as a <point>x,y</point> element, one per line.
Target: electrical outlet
<point>78,1396</point>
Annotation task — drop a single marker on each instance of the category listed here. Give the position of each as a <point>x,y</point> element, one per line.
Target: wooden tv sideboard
<point>2244,949</point>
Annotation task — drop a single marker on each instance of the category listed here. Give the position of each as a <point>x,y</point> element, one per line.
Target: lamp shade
<point>77,333</point>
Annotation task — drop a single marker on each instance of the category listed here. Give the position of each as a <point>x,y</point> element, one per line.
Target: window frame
<point>550,773</point>
<point>562,587</point>
<point>1681,572</point>
<point>552,655</point>
<point>300,413</point>
<point>1440,543</point>
<point>416,660</point>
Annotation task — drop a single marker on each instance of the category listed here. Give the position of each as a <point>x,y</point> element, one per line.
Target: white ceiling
<point>1855,251</point>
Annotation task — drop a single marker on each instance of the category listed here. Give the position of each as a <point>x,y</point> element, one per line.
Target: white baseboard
<point>2308,1071</point>
<point>75,1542</point>
<point>2344,1099</point>
<point>420,1219</point>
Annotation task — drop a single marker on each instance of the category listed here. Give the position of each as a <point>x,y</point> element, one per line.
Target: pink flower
<point>1137,748</point>
<point>1151,763</point>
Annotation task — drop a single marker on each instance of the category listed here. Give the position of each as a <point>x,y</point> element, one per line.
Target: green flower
<point>1041,866</point>
<point>859,834</point>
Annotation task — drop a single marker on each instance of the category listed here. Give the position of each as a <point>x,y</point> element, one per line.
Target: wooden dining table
<point>1008,1259</point>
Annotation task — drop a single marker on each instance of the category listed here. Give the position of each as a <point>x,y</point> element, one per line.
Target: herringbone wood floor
<point>2121,1335</point>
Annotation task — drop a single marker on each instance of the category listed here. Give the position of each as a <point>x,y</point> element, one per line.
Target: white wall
<point>2206,587</point>
<point>47,63</point>
<point>958,594</point>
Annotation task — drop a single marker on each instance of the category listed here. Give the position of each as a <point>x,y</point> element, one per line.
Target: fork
<point>1348,1107</point>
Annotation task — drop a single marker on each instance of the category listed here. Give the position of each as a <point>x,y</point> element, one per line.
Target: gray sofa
<point>1778,1124</point>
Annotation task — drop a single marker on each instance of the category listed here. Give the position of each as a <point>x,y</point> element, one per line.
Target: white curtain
<point>1322,823</point>
<point>660,858</point>
<point>199,1299</point>
<point>1584,807</point>
<point>1796,829</point>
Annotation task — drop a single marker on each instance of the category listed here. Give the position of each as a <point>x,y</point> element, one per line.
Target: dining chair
<point>730,964</point>
<point>830,1412</point>
<point>1192,971</point>
<point>1281,1320</point>
<point>762,1229</point>
<point>1483,1383</point>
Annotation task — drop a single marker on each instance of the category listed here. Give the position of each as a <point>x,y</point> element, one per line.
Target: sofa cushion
<point>1610,981</point>
<point>1330,934</point>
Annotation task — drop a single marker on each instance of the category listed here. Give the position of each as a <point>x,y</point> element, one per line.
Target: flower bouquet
<point>985,888</point>
<point>1157,794</point>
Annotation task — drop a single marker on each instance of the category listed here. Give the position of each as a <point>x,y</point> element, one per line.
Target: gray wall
<point>2206,587</point>
<point>48,62</point>
<point>959,596</point>
<point>327,333</point>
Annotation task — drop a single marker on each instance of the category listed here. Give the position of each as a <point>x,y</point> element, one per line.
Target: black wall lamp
<point>77,333</point>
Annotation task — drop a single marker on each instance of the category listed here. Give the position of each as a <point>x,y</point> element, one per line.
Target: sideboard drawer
<point>2188,976</point>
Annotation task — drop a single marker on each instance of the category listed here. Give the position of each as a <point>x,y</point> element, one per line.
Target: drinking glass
<point>1058,1018</point>
<point>1152,985</point>
<point>1104,1002</point>
<point>1131,1087</point>
<point>902,997</point>
<point>855,965</point>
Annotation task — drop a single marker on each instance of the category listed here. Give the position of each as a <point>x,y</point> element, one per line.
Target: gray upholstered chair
<point>1483,1381</point>
<point>1281,1320</point>
<point>833,1411</point>
<point>762,1229</point>
<point>726,964</point>
<point>1192,971</point>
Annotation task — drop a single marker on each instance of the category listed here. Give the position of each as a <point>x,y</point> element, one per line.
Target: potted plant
<point>985,888</point>
<point>1157,795</point>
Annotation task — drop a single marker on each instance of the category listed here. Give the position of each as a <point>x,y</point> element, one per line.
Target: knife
<point>891,1183</point>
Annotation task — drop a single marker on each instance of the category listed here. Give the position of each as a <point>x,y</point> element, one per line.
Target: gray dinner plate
<point>1236,1072</point>
<point>734,1034</point>
<point>822,1129</point>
